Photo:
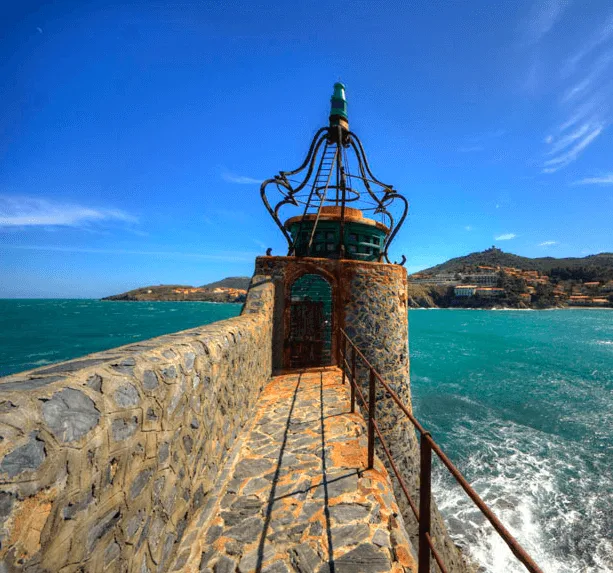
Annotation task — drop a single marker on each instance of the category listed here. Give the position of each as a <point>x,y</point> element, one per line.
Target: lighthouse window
<point>318,247</point>
<point>353,237</point>
<point>318,236</point>
<point>330,246</point>
<point>330,235</point>
<point>353,249</point>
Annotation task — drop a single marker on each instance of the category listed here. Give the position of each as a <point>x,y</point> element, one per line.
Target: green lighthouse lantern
<point>338,107</point>
<point>344,211</point>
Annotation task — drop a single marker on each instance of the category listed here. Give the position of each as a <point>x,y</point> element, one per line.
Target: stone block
<point>126,396</point>
<point>123,427</point>
<point>25,458</point>
<point>70,414</point>
<point>138,483</point>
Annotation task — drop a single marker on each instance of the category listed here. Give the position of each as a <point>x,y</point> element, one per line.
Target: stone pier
<point>296,495</point>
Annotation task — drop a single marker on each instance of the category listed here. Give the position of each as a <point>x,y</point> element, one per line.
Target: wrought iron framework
<point>335,173</point>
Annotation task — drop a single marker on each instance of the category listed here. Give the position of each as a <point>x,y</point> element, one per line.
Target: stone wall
<point>104,459</point>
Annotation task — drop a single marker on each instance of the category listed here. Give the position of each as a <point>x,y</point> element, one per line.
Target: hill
<point>596,267</point>
<point>230,289</point>
<point>230,282</point>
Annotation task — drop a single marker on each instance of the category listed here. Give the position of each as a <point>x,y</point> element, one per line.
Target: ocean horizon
<point>521,401</point>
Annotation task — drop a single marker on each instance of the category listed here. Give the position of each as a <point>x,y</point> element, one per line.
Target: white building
<point>465,290</point>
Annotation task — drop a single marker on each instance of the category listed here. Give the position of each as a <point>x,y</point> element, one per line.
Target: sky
<point>134,135</point>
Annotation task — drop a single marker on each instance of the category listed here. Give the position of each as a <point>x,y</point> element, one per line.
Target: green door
<point>310,336</point>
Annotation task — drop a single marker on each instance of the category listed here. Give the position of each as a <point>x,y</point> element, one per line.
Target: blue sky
<point>134,136</point>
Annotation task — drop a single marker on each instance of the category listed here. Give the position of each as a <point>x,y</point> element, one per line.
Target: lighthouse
<point>339,221</point>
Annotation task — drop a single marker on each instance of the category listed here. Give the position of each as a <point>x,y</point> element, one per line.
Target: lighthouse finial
<point>338,107</point>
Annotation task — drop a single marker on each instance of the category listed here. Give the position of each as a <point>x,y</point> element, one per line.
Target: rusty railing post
<point>353,380</point>
<point>371,419</point>
<point>343,354</point>
<point>425,488</point>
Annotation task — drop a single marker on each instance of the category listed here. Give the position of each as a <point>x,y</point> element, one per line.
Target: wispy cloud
<point>565,141</point>
<point>597,69</point>
<point>541,19</point>
<point>548,243</point>
<point>240,179</point>
<point>583,105</point>
<point>570,155</point>
<point>218,256</point>
<point>600,37</point>
<point>602,180</point>
<point>592,106</point>
<point>31,212</point>
<point>505,237</point>
<point>578,89</point>
<point>260,243</point>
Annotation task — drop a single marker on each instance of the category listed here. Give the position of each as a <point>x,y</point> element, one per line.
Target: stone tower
<point>337,275</point>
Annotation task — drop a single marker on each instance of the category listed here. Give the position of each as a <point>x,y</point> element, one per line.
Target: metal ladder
<point>319,189</point>
<point>326,165</point>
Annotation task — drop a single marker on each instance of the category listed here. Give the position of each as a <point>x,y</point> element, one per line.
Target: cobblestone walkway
<point>296,497</point>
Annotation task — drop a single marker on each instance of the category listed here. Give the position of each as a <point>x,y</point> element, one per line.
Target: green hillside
<point>592,267</point>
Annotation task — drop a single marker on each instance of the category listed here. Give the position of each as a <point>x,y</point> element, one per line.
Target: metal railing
<point>426,446</point>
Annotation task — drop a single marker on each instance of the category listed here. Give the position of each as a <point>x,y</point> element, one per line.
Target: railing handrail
<point>427,445</point>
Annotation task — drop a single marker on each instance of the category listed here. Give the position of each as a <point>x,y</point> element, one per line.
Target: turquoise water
<point>34,333</point>
<point>523,403</point>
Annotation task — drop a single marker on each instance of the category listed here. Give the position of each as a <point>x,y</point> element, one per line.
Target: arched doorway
<point>310,335</point>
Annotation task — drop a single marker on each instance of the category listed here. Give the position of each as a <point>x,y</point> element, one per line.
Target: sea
<point>37,332</point>
<point>521,401</point>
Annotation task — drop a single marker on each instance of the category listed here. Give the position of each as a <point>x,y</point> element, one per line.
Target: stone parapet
<point>104,459</point>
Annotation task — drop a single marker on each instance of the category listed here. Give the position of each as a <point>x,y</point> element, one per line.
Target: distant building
<point>483,279</point>
<point>465,290</point>
<point>490,292</point>
<point>579,300</point>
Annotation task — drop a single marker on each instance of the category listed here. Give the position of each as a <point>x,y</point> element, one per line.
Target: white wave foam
<point>41,362</point>
<point>524,476</point>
